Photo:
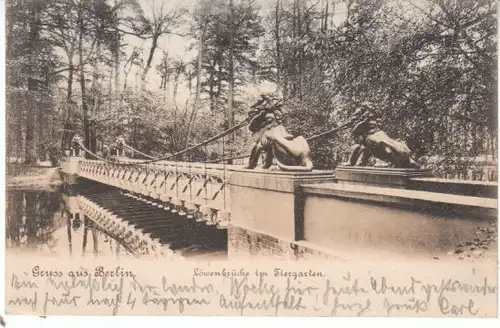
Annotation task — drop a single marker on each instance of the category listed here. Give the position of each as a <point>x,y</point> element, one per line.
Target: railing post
<point>70,166</point>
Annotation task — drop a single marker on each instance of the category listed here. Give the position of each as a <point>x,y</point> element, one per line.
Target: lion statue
<point>271,139</point>
<point>371,141</point>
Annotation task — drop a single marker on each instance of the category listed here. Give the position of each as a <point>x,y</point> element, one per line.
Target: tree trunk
<point>300,53</point>
<point>85,234</point>
<point>68,231</point>
<point>86,123</point>
<point>41,125</point>
<point>96,90</point>
<point>230,114</point>
<point>20,148</point>
<point>278,45</point>
<point>110,89</point>
<point>95,242</point>
<point>135,142</point>
<point>325,24</point>
<point>138,82</point>
<point>67,112</point>
<point>176,87</point>
<point>332,15</point>
<point>30,156</point>
<point>198,83</point>
<point>324,21</point>
<point>211,84</point>
<point>116,58</point>
<point>31,225</point>
<point>152,50</point>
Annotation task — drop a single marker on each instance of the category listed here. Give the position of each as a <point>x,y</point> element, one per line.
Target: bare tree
<point>204,13</point>
<point>159,18</point>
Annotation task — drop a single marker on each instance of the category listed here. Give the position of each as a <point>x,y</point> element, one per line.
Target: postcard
<point>291,158</point>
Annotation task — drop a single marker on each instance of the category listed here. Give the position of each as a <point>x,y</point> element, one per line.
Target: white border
<point>202,322</point>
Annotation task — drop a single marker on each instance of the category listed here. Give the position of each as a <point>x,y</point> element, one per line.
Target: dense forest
<point>165,74</point>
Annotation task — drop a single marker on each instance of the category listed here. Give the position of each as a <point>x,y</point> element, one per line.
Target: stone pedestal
<point>271,202</point>
<point>378,176</point>
<point>70,170</point>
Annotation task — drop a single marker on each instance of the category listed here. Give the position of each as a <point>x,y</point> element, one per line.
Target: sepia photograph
<point>171,151</point>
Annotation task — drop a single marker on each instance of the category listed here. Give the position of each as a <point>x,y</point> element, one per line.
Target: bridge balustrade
<point>196,190</point>
<point>307,214</point>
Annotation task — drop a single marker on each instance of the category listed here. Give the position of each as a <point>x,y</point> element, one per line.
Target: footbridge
<point>294,214</point>
<point>286,208</point>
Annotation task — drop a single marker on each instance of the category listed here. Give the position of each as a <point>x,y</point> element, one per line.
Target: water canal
<point>43,222</point>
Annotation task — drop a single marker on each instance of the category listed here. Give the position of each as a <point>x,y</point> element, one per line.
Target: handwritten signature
<point>245,294</point>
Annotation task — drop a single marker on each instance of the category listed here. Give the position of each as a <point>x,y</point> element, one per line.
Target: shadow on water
<point>40,222</point>
<point>51,223</point>
<point>32,218</point>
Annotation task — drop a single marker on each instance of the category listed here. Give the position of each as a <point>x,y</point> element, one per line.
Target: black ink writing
<point>268,296</point>
<point>413,305</point>
<point>241,287</point>
<point>383,287</point>
<point>25,301</point>
<point>454,286</point>
<point>451,309</point>
<point>59,301</point>
<point>37,272</point>
<point>117,272</point>
<point>181,302</point>
<point>359,308</point>
<point>143,288</point>
<point>349,289</point>
<point>131,301</point>
<point>78,273</point>
<point>296,274</point>
<point>223,273</point>
<point>20,284</point>
<point>175,289</point>
<point>113,302</point>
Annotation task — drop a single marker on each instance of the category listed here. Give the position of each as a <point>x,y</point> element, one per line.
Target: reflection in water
<point>41,222</point>
<point>32,218</point>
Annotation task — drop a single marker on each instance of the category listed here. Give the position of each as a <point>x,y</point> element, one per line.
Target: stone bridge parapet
<point>310,214</point>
